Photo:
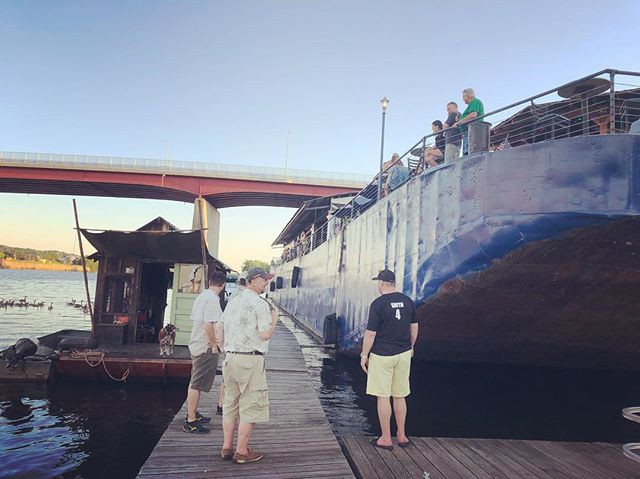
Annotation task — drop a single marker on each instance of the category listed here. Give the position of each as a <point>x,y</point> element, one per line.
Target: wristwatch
<point>362,355</point>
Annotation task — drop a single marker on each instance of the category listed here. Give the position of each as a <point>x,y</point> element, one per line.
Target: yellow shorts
<point>245,388</point>
<point>389,375</point>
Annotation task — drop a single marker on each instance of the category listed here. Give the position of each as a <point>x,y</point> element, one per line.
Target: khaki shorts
<point>203,371</point>
<point>451,152</point>
<point>245,388</point>
<point>389,375</point>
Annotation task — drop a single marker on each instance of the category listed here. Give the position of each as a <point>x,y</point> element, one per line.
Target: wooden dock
<point>438,458</point>
<point>298,442</point>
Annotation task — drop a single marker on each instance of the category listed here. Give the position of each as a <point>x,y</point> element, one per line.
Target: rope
<point>88,354</point>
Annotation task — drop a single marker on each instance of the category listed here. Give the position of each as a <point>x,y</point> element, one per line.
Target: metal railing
<point>181,168</point>
<point>631,413</point>
<point>600,103</point>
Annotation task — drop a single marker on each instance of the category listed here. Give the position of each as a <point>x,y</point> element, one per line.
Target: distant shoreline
<point>38,265</point>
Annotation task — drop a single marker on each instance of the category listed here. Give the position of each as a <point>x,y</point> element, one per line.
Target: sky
<point>223,81</point>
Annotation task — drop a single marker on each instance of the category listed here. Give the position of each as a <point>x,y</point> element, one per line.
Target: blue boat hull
<point>529,255</point>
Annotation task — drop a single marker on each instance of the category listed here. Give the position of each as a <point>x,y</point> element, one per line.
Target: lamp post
<point>166,150</point>
<point>384,103</point>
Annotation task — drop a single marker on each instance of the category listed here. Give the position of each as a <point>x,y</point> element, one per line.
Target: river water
<point>77,430</point>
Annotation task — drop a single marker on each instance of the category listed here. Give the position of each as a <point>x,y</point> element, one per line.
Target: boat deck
<point>447,458</point>
<point>298,442</point>
<point>135,362</point>
<point>142,351</point>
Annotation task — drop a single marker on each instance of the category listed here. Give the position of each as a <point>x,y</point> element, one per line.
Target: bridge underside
<point>220,192</point>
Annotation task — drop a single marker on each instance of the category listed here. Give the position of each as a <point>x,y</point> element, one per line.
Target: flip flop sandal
<point>374,441</point>
<point>404,444</point>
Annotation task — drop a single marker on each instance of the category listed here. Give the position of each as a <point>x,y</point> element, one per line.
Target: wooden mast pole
<point>84,266</point>
<point>205,271</point>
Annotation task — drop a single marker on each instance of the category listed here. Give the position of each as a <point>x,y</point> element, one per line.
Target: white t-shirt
<point>206,309</point>
<point>242,320</point>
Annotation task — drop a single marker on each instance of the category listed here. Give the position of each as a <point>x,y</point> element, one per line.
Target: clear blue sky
<point>223,81</point>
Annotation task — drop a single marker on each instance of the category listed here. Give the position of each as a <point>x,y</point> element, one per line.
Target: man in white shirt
<point>248,324</point>
<point>204,350</point>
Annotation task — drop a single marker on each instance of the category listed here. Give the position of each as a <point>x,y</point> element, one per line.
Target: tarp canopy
<point>151,246</point>
<point>311,212</point>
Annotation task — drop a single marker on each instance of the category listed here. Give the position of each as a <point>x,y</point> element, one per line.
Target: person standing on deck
<point>247,324</point>
<point>387,350</point>
<point>204,350</point>
<point>474,109</point>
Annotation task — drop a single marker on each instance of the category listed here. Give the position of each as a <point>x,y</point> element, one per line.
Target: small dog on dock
<point>167,338</point>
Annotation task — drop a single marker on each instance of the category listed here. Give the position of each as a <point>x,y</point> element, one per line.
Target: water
<point>57,287</point>
<point>72,429</point>
<point>76,429</point>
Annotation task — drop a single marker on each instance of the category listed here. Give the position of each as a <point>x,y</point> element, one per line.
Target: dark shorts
<point>203,371</point>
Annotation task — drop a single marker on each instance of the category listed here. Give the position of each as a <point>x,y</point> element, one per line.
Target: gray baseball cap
<point>255,272</point>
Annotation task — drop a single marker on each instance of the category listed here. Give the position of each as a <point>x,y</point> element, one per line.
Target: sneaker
<point>201,419</point>
<point>219,411</point>
<point>194,428</point>
<point>227,454</point>
<point>250,456</point>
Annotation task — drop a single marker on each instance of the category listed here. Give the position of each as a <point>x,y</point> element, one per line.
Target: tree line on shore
<point>12,256</point>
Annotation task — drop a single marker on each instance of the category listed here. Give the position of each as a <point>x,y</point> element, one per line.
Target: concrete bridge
<point>221,185</point>
<point>215,185</point>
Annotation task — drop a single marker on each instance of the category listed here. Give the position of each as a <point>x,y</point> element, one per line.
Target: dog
<point>167,338</point>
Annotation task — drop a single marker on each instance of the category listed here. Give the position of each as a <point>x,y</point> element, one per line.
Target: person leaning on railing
<point>398,175</point>
<point>474,109</point>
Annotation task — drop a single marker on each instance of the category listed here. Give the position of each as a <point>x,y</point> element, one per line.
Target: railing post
<point>612,102</point>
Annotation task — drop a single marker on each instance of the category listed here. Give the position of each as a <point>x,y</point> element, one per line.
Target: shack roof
<point>168,246</point>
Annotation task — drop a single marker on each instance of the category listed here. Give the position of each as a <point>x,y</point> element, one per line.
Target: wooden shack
<point>136,270</point>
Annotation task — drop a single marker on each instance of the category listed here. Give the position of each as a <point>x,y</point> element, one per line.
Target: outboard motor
<point>14,354</point>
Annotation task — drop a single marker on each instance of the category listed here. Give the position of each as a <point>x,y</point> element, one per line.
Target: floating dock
<point>297,443</point>
<point>447,458</point>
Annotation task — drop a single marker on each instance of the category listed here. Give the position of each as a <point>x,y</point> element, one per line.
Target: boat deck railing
<point>631,413</point>
<point>181,168</point>
<point>605,102</point>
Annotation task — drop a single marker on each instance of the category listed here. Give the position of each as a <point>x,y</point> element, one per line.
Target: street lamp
<point>166,150</point>
<point>384,103</point>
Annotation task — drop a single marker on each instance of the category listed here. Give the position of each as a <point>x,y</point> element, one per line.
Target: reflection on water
<point>70,429</point>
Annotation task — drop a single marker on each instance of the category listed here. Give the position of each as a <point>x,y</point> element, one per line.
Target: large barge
<point>527,254</point>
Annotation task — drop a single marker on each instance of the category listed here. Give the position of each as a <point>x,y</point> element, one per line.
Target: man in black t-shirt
<point>453,138</point>
<point>387,349</point>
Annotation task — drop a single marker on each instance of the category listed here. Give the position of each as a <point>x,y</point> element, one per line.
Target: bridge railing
<point>183,168</point>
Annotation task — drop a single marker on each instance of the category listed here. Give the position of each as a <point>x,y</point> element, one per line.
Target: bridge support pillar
<point>210,216</point>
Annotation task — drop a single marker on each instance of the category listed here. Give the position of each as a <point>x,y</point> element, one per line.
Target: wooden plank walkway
<point>297,443</point>
<point>446,458</point>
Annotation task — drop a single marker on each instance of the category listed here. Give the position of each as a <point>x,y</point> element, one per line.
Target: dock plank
<point>298,442</point>
<point>446,458</point>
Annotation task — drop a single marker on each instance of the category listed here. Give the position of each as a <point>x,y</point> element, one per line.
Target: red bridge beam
<point>220,192</point>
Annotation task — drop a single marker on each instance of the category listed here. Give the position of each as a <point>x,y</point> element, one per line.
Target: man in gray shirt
<point>204,350</point>
<point>398,175</point>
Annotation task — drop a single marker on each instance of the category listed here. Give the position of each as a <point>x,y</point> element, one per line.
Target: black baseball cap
<point>385,275</point>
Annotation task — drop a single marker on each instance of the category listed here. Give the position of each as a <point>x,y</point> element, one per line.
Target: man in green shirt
<point>474,109</point>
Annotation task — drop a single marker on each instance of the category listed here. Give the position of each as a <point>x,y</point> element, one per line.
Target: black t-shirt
<point>440,141</point>
<point>390,316</point>
<point>453,134</point>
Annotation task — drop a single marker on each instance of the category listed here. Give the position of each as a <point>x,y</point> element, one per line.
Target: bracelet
<point>362,355</point>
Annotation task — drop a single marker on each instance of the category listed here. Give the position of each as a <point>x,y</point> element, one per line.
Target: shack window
<point>117,298</point>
